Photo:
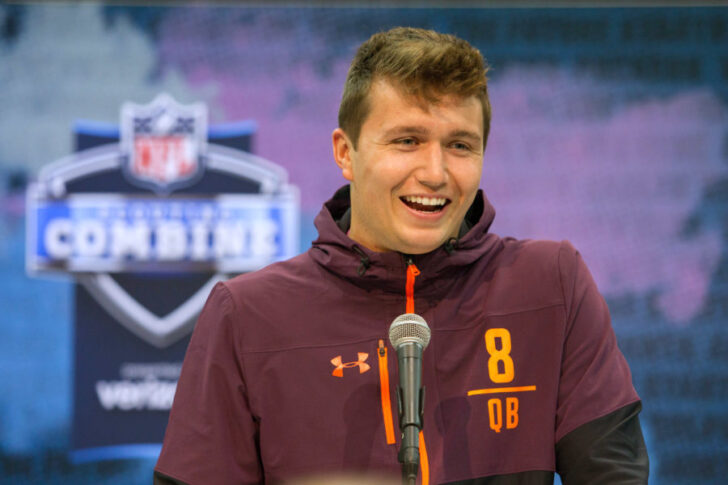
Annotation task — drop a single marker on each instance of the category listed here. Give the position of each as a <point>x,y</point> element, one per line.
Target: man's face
<point>415,172</point>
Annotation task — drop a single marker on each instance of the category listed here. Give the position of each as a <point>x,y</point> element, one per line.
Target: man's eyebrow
<point>422,131</point>
<point>473,136</point>
<point>406,130</point>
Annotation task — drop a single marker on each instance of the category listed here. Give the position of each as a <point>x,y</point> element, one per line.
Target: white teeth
<point>426,200</point>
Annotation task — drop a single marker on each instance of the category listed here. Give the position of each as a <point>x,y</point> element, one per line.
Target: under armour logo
<point>339,371</point>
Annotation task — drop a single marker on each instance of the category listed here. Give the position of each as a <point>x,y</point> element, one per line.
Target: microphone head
<point>409,327</point>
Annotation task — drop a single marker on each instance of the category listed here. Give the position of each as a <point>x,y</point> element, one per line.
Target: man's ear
<point>342,153</point>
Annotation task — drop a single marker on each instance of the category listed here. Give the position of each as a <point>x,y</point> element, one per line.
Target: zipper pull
<point>412,273</point>
<point>382,349</point>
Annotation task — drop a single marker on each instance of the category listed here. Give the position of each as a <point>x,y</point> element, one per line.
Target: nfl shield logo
<point>233,212</point>
<point>163,143</point>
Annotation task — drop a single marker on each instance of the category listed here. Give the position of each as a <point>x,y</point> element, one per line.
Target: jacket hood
<point>386,271</point>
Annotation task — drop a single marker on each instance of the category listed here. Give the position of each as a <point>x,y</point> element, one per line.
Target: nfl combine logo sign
<point>147,216</point>
<point>163,142</point>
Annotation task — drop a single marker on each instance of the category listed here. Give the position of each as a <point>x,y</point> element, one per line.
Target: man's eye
<point>407,141</point>
<point>460,146</point>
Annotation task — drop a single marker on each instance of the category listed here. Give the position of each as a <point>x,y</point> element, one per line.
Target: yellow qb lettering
<point>499,355</point>
<point>495,413</point>
<point>496,416</point>
<point>511,412</point>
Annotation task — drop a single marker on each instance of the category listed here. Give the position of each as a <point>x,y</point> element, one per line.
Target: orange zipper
<point>412,273</point>
<point>384,393</point>
<point>424,462</point>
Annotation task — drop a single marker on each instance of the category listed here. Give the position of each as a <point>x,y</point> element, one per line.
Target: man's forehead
<point>380,96</point>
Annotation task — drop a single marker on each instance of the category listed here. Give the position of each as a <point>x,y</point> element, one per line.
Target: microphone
<point>409,335</point>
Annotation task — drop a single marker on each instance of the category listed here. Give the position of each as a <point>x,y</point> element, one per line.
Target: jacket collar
<point>387,271</point>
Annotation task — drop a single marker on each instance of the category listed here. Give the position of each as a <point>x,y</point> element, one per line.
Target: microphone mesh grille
<point>409,327</point>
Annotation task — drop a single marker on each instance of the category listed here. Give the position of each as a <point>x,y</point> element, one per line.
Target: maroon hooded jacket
<point>290,373</point>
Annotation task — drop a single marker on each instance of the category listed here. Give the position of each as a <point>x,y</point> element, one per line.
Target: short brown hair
<point>424,63</point>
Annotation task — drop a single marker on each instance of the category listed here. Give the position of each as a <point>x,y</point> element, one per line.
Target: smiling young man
<point>414,170</point>
<point>289,372</point>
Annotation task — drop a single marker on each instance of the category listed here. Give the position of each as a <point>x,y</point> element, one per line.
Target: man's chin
<point>421,245</point>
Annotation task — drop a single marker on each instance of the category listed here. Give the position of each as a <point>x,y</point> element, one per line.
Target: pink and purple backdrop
<point>610,129</point>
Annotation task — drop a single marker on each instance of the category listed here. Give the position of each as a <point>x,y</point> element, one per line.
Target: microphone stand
<point>410,411</point>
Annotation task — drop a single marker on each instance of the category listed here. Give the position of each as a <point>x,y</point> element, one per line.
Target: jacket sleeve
<point>608,450</point>
<point>597,428</point>
<point>212,435</point>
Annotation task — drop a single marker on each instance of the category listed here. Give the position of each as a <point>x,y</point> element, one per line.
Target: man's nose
<point>432,171</point>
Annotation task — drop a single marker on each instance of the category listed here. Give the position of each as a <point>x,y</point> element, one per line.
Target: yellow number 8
<point>499,355</point>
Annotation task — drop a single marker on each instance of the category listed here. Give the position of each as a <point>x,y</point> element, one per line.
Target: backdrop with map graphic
<point>610,129</point>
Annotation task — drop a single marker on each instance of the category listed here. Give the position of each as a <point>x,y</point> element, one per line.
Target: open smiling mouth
<point>425,204</point>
